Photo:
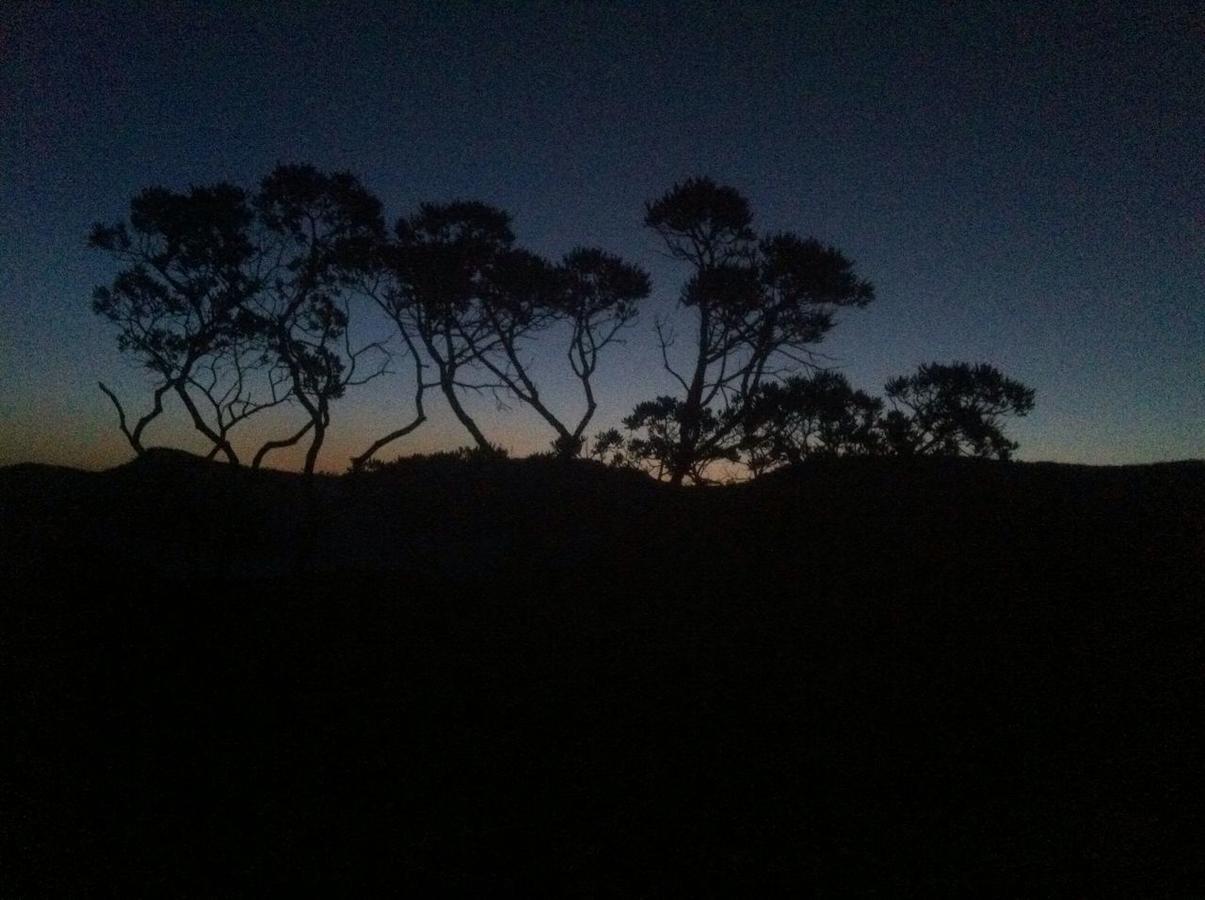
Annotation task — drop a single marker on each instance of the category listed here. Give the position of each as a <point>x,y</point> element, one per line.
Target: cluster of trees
<point>950,410</point>
<point>237,302</point>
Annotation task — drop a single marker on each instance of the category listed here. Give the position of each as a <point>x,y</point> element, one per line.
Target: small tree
<point>759,307</point>
<point>237,306</point>
<point>610,447</point>
<point>470,300</point>
<point>806,416</point>
<point>180,296</point>
<point>592,293</point>
<point>516,302</point>
<point>600,299</point>
<point>318,239</point>
<point>953,410</point>
<point>659,447</point>
<point>440,262</point>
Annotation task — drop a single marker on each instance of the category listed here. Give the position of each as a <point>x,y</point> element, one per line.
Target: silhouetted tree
<point>442,260</point>
<point>238,306</point>
<point>953,410</point>
<point>659,447</point>
<point>594,294</point>
<point>599,300</point>
<point>611,447</point>
<point>179,299</point>
<point>318,241</point>
<point>759,305</point>
<point>517,300</point>
<point>805,416</point>
<point>472,302</point>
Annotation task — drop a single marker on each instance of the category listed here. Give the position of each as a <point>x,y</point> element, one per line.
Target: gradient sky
<point>1024,183</point>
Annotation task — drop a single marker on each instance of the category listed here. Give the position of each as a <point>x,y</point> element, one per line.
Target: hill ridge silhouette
<point>931,676</point>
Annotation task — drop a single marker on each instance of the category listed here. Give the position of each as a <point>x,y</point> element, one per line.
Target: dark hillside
<point>910,677</point>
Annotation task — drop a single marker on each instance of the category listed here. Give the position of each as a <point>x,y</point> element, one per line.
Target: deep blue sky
<point>1024,183</point>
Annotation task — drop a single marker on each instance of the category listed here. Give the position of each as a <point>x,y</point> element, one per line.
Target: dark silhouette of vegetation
<point>759,306</point>
<point>475,456</point>
<point>953,410</point>
<point>442,261</point>
<point>239,304</point>
<point>179,300</point>
<point>319,239</point>
<point>474,302</point>
<point>663,446</point>
<point>598,299</point>
<point>218,290</point>
<point>942,410</point>
<point>610,448</point>
<point>807,416</point>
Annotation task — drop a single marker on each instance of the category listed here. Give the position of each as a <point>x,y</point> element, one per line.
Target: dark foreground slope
<point>936,678</point>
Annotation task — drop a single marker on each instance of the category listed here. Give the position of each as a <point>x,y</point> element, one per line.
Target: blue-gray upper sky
<point>1024,183</point>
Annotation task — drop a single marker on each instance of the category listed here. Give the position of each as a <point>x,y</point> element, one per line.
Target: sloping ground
<point>915,678</point>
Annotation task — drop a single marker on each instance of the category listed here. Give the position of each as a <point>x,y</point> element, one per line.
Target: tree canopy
<point>953,410</point>
<point>810,415</point>
<point>239,303</point>
<point>759,307</point>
